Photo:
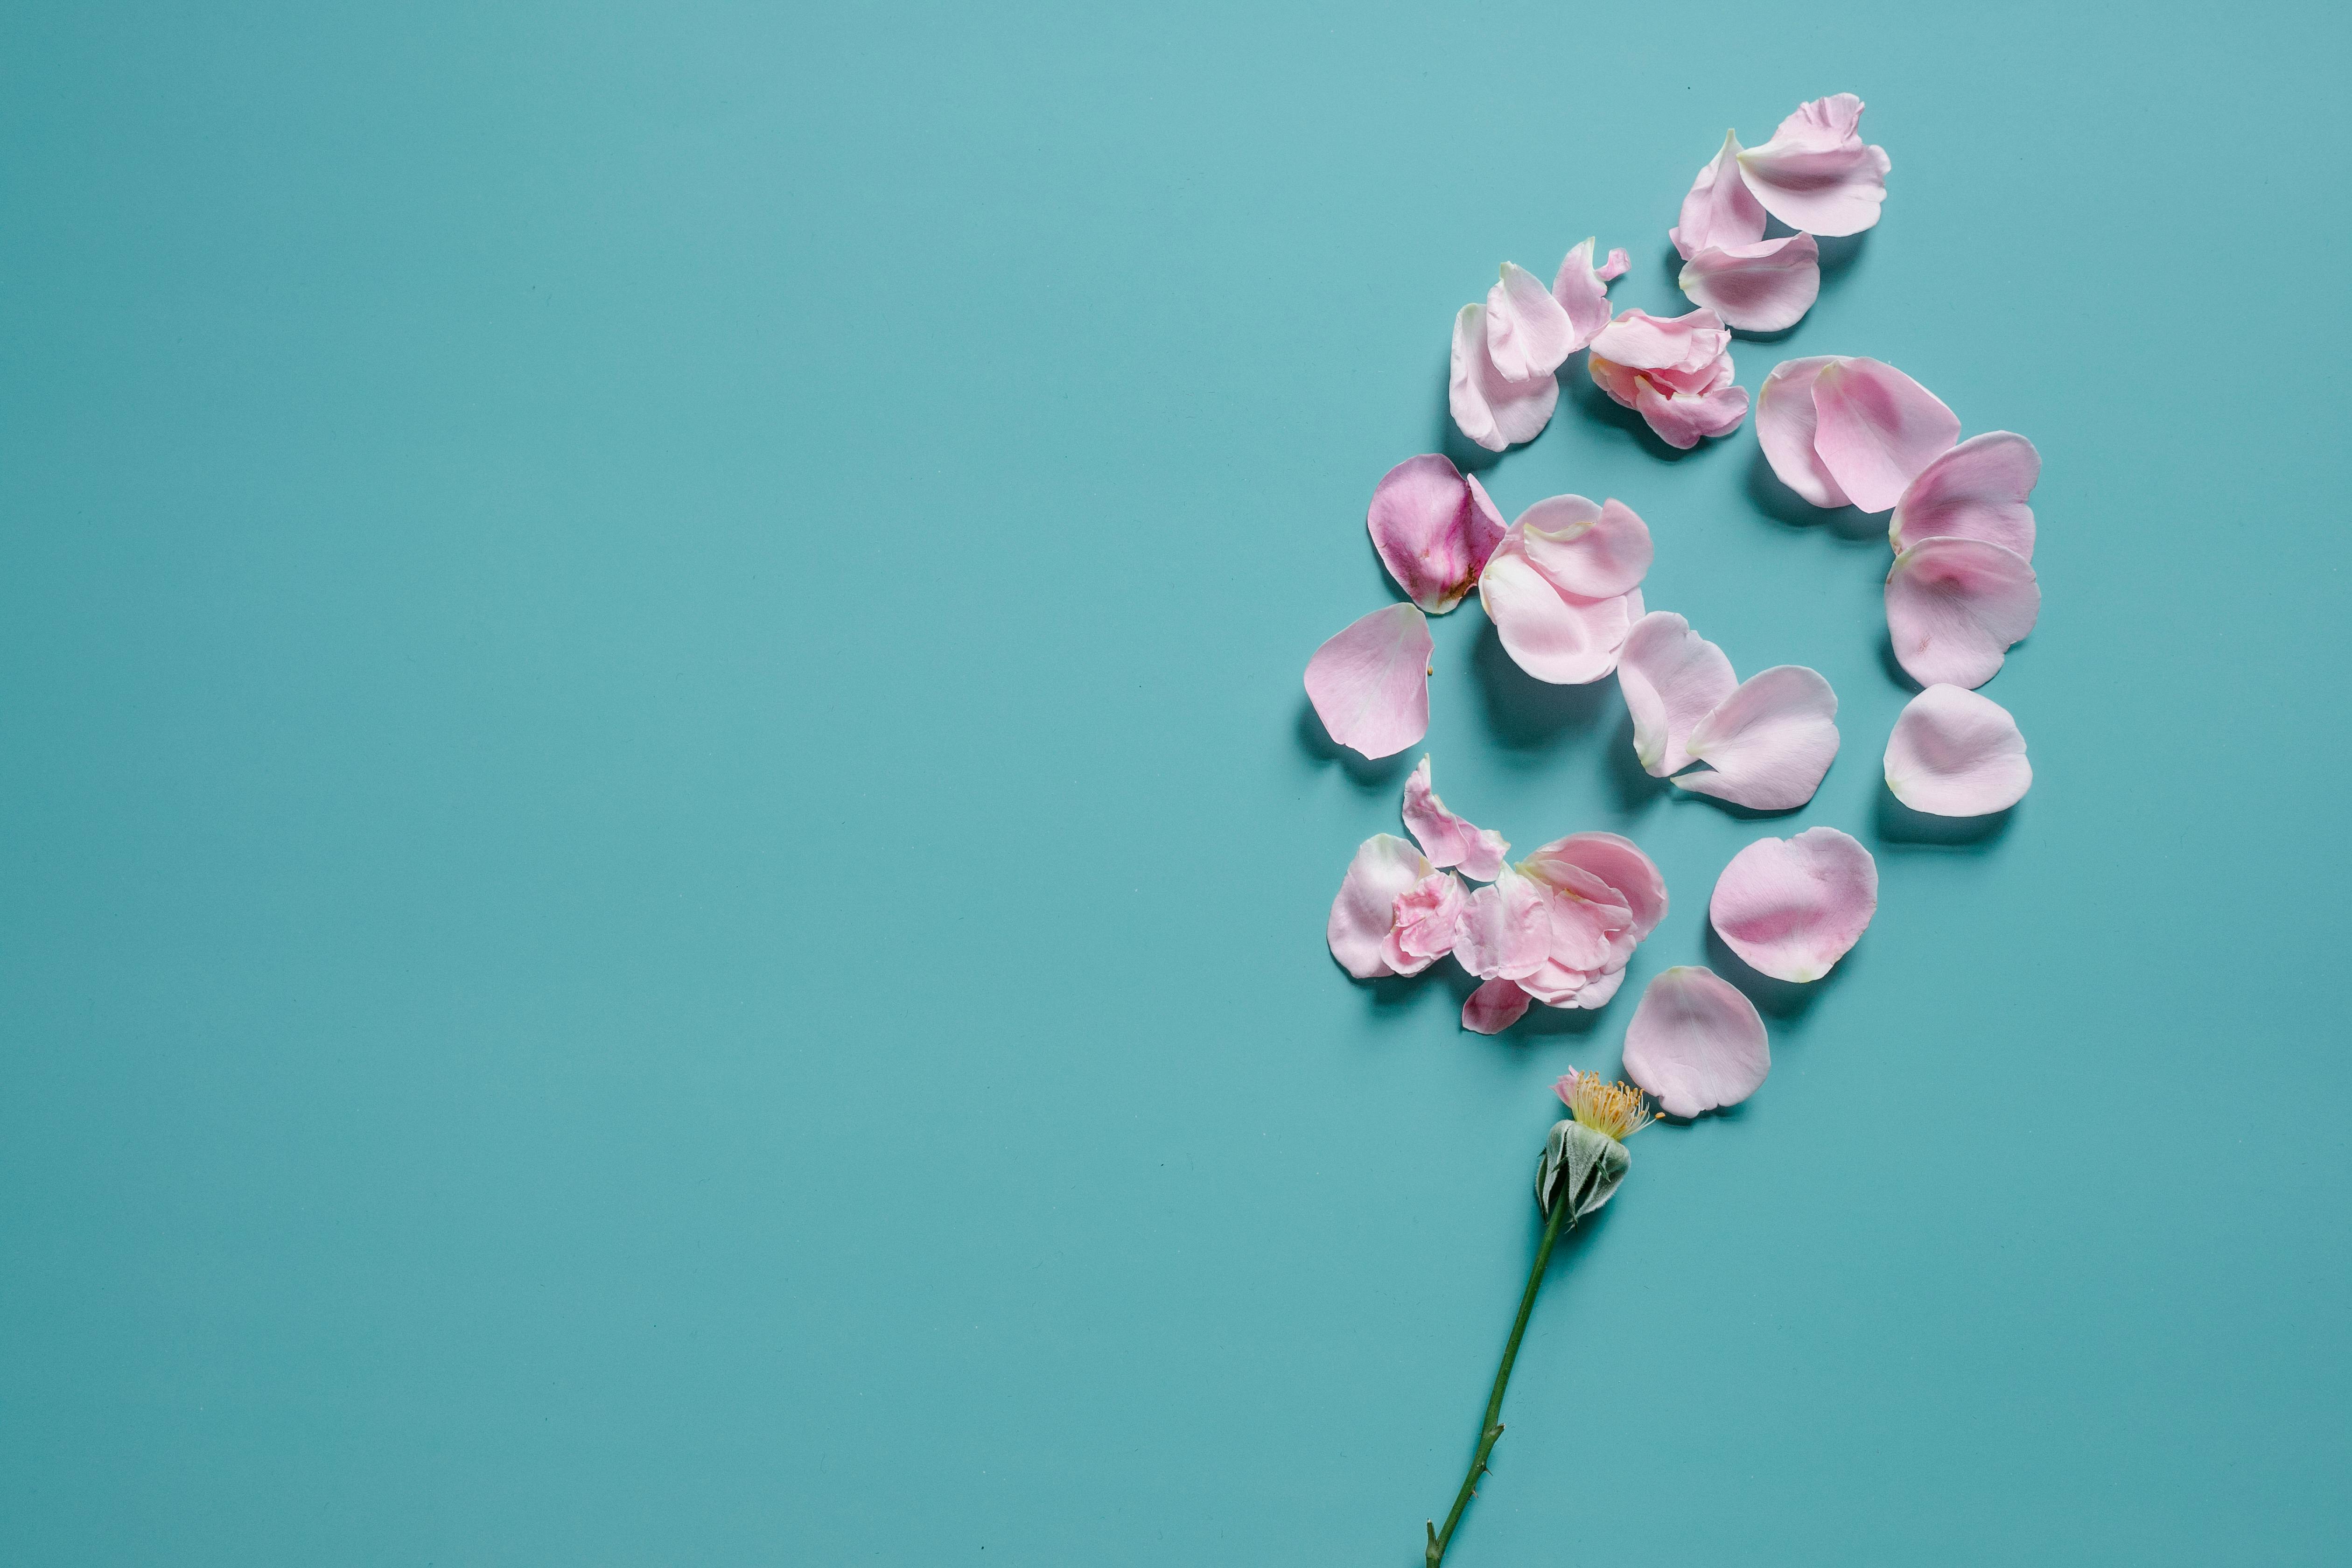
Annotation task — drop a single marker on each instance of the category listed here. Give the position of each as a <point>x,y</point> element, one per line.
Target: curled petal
<point>1957,754</point>
<point>1505,930</point>
<point>1494,1007</point>
<point>1683,419</point>
<point>1695,1043</point>
<point>1433,529</point>
<point>1785,427</point>
<point>1877,429</point>
<point>1720,209</point>
<point>1554,636</point>
<point>1588,551</point>
<point>1370,683</point>
<point>1815,173</point>
<point>1598,993</point>
<point>1491,408</point>
<point>1385,868</point>
<point>1448,839</point>
<point>1976,490</point>
<point>1423,922</point>
<point>1759,287</point>
<point>1640,340</point>
<point>1583,292</point>
<point>1671,678</point>
<point>1768,742</point>
<point>1529,333</point>
<point>1617,863</point>
<point>1954,606</point>
<point>1793,906</point>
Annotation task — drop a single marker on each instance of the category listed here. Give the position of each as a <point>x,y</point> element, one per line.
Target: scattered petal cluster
<point>1675,372</point>
<point>1766,741</point>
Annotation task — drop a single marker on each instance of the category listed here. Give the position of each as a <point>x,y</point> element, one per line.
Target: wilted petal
<point>1553,636</point>
<point>1695,1043</point>
<point>1879,428</point>
<point>1583,292</point>
<point>1592,551</point>
<point>1448,839</point>
<point>1954,606</point>
<point>1683,419</point>
<point>1505,929</point>
<point>1527,331</point>
<point>1785,427</point>
<point>1757,287</point>
<point>1671,678</point>
<point>1617,862</point>
<point>1957,754</point>
<point>1494,1007</point>
<point>1433,529</point>
<point>1385,867</point>
<point>1719,209</point>
<point>1370,683</point>
<point>1768,742</point>
<point>1976,490</point>
<point>1793,906</point>
<point>1492,409</point>
<point>1815,173</point>
<point>1423,922</point>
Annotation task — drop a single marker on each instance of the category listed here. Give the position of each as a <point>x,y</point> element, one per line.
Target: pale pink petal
<point>1623,384</point>
<point>1492,409</point>
<point>1370,683</point>
<point>1434,530</point>
<point>1617,862</point>
<point>1448,839</point>
<point>1785,427</point>
<point>1615,266</point>
<point>1494,1007</point>
<point>1720,209</point>
<point>1671,678</point>
<point>1423,922</point>
<point>1597,993</point>
<point>1759,287</point>
<point>1768,742</point>
<point>1553,636</point>
<point>1682,420</point>
<point>1957,754</point>
<point>1640,340</point>
<point>1793,906</point>
<point>1592,551</point>
<point>1815,173</point>
<point>1879,428</point>
<point>1384,868</point>
<point>1695,1043</point>
<point>1529,333</point>
<point>1976,490</point>
<point>1954,606</point>
<point>1505,929</point>
<point>1583,293</point>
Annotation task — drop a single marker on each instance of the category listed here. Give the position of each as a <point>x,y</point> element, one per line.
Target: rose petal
<point>1879,428</point>
<point>1527,331</point>
<point>1423,922</point>
<point>1492,409</point>
<point>1619,864</point>
<point>1494,1007</point>
<point>1976,490</point>
<point>1553,636</point>
<point>1583,292</point>
<point>1589,552</point>
<point>1759,287</point>
<point>1384,868</point>
<point>1719,209</point>
<point>1815,173</point>
<point>1683,419</point>
<point>1505,929</point>
<point>1643,342</point>
<point>1793,906</point>
<point>1598,993</point>
<point>1448,839</point>
<point>1957,754</point>
<point>1370,683</point>
<point>1785,427</point>
<point>1671,678</point>
<point>1695,1043</point>
<point>1953,607</point>
<point>1433,529</point>
<point>1768,742</point>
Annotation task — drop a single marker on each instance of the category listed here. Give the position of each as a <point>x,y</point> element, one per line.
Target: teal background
<point>662,868</point>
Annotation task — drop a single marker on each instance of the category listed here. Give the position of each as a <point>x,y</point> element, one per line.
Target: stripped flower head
<point>1615,1110</point>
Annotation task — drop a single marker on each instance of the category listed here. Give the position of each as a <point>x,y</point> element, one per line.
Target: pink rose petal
<point>1617,862</point>
<point>1976,490</point>
<point>1671,678</point>
<point>1762,287</point>
<point>1955,606</point>
<point>1785,427</point>
<point>1683,419</point>
<point>1792,906</point>
<point>1494,1007</point>
<point>1695,1043</point>
<point>1370,683</point>
<point>1433,529</point>
<point>1879,428</point>
<point>1815,173</point>
<point>1423,922</point>
<point>1490,407</point>
<point>1448,839</point>
<point>1583,292</point>
<point>1957,754</point>
<point>1768,742</point>
<point>1639,340</point>
<point>1385,868</point>
<point>1586,551</point>
<point>1554,636</point>
<point>1529,333</point>
<point>1720,210</point>
<point>1505,929</point>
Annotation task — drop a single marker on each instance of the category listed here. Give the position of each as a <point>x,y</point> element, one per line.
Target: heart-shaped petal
<point>1448,839</point>
<point>1671,678</point>
<point>1976,490</point>
<point>1768,742</point>
<point>1815,173</point>
<point>1957,754</point>
<point>1370,683</point>
<point>1695,1043</point>
<point>1877,429</point>
<point>1434,528</point>
<point>1786,424</point>
<point>1385,868</point>
<point>1761,287</point>
<point>1793,906</point>
<point>1955,606</point>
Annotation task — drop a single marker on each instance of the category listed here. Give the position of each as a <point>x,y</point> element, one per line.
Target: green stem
<point>1562,1209</point>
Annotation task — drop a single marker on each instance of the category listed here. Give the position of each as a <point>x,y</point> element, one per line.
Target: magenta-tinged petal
<point>1768,742</point>
<point>1785,427</point>
<point>1423,922</point>
<point>1589,552</point>
<point>1957,754</point>
<point>1954,606</point>
<point>1583,293</point>
<point>1433,529</point>
<point>1553,636</point>
<point>1695,1043</point>
<point>1976,490</point>
<point>1682,420</point>
<point>1385,867</point>
<point>1617,862</point>
<point>1671,678</point>
<point>1877,429</point>
<point>1793,906</point>
<point>1370,683</point>
<point>1529,333</point>
<point>1494,1007</point>
<point>1448,839</point>
<point>1505,929</point>
<point>1815,173</point>
<point>1759,287</point>
<point>1720,209</point>
<point>1491,408</point>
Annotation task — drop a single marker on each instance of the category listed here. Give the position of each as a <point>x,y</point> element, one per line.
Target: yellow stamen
<point>1612,1110</point>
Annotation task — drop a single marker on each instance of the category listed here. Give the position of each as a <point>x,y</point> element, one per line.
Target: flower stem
<point>1563,1217</point>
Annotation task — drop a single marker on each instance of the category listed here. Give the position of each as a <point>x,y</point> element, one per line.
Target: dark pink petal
<point>1768,742</point>
<point>1583,292</point>
<point>1759,287</point>
<point>1448,839</point>
<point>1815,173</point>
<point>1586,551</point>
<point>1957,754</point>
<point>1385,868</point>
<point>1554,636</point>
<point>1954,606</point>
<point>1785,427</point>
<point>1492,409</point>
<point>1720,209</point>
<point>1976,490</point>
<point>1494,1007</point>
<point>1433,529</point>
<point>1617,862</point>
<point>1877,429</point>
<point>1695,1043</point>
<point>1423,922</point>
<point>1529,333</point>
<point>1370,683</point>
<point>1671,678</point>
<point>1793,906</point>
<point>1505,929</point>
<point>1682,420</point>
